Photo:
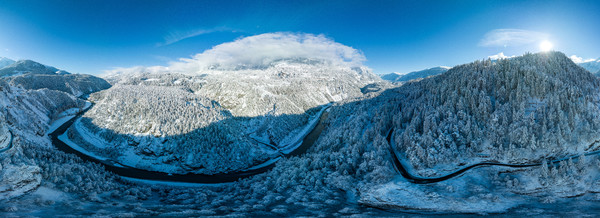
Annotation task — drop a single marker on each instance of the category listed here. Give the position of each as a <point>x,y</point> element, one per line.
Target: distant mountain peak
<point>591,65</point>
<point>5,62</point>
<point>397,77</point>
<point>5,58</point>
<point>28,66</point>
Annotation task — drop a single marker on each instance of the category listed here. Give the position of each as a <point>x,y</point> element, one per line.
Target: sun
<point>546,45</point>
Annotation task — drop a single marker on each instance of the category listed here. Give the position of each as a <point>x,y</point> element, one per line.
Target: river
<point>131,172</point>
<point>401,166</point>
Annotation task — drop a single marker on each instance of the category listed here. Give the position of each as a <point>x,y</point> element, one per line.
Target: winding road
<point>402,169</point>
<point>131,172</point>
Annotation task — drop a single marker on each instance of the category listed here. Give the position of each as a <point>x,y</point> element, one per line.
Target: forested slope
<point>27,112</point>
<point>202,121</point>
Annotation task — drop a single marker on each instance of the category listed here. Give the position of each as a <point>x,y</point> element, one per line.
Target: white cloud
<point>133,70</point>
<point>177,36</point>
<point>511,37</point>
<point>261,50</point>
<point>579,60</point>
<point>500,56</point>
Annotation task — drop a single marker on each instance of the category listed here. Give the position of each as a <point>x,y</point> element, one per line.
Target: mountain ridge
<point>5,62</point>
<point>592,66</point>
<point>28,67</point>
<point>250,105</point>
<point>399,78</point>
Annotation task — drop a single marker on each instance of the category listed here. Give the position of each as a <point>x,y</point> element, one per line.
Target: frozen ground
<point>470,193</point>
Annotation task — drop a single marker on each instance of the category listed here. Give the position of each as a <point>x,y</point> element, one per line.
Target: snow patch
<point>64,138</point>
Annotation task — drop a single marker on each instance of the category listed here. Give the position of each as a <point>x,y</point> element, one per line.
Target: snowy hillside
<point>516,109</point>
<point>211,115</point>
<point>520,110</point>
<point>165,129</point>
<point>183,122</point>
<point>5,136</point>
<point>395,77</point>
<point>290,87</point>
<point>392,77</point>
<point>28,66</point>
<point>28,111</point>
<point>30,75</point>
<point>74,84</point>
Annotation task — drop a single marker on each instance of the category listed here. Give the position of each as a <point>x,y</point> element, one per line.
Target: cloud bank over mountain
<point>260,51</point>
<point>500,56</point>
<point>579,60</point>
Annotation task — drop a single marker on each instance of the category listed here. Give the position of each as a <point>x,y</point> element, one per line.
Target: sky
<point>394,36</point>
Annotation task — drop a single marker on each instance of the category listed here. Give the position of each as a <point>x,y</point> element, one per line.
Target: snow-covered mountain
<point>485,107</point>
<point>212,114</point>
<point>392,77</point>
<point>525,109</point>
<point>5,62</point>
<point>520,110</point>
<point>396,77</point>
<point>227,113</point>
<point>514,104</point>
<point>75,84</point>
<point>28,67</point>
<point>31,75</point>
<point>30,106</point>
<point>593,66</point>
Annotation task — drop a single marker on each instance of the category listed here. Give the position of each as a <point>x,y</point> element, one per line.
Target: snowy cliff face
<point>33,94</point>
<point>31,111</point>
<point>28,111</point>
<point>30,75</point>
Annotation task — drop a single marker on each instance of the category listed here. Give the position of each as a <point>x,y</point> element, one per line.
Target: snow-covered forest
<point>515,110</point>
<point>214,121</point>
<point>27,109</point>
<point>527,109</point>
<point>299,108</point>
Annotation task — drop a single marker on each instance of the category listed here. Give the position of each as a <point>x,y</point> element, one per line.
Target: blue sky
<point>395,36</point>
